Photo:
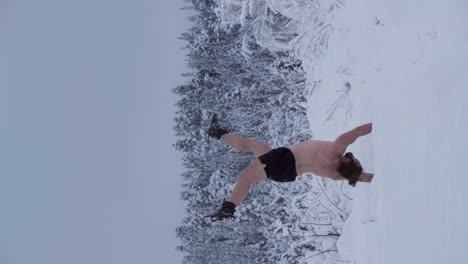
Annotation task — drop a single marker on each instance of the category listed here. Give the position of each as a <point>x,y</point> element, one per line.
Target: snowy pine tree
<point>242,70</point>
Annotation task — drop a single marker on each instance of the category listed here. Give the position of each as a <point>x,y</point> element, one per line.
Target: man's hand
<point>366,177</point>
<point>349,137</point>
<point>364,129</point>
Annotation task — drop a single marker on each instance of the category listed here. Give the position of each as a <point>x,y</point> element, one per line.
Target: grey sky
<point>87,171</point>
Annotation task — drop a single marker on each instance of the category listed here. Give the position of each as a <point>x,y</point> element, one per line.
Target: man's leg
<point>246,145</point>
<point>252,174</point>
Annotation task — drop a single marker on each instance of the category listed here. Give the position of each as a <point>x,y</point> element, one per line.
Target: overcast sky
<point>87,171</point>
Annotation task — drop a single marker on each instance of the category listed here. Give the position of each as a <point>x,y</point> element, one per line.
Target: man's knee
<point>253,173</point>
<point>245,179</point>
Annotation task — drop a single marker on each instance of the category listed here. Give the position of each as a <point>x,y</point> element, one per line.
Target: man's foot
<point>215,131</point>
<point>226,212</point>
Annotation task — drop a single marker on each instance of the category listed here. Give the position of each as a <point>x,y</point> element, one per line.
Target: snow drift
<point>401,65</point>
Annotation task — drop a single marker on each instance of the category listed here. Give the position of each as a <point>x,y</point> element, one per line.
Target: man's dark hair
<point>350,171</point>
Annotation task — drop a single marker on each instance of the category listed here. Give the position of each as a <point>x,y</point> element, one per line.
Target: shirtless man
<point>322,158</point>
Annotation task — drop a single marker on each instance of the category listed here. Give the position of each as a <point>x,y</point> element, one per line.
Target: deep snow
<point>406,63</point>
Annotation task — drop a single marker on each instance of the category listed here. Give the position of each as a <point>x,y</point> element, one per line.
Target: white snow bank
<point>407,65</point>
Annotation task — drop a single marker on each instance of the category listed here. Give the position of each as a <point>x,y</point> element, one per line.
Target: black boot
<point>226,212</point>
<point>215,131</point>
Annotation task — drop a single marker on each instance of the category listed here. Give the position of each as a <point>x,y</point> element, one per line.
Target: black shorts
<point>280,165</point>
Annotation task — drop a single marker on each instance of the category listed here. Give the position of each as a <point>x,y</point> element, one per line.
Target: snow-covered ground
<point>406,64</point>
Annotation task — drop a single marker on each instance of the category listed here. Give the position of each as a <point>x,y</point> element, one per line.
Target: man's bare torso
<point>318,157</point>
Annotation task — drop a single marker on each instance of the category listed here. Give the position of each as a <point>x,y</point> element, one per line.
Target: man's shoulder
<point>313,141</point>
<point>317,145</point>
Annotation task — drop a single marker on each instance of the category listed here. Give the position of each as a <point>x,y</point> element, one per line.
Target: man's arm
<point>364,177</point>
<point>349,137</point>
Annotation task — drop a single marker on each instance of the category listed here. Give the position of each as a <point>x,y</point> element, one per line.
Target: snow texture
<point>398,64</point>
<point>401,65</point>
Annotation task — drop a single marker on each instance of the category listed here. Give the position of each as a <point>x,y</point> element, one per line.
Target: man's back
<point>317,157</point>
<point>323,157</point>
